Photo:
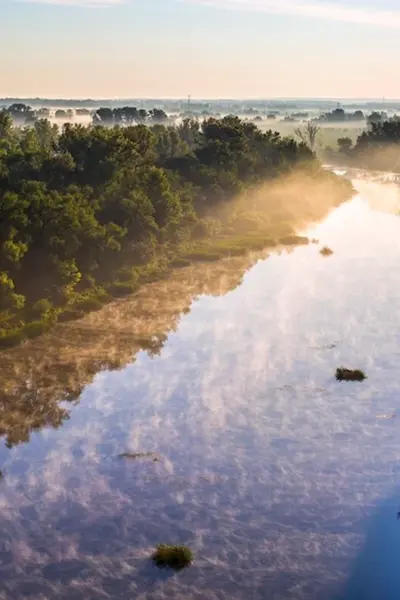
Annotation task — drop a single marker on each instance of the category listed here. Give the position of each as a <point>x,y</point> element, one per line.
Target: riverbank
<point>267,216</point>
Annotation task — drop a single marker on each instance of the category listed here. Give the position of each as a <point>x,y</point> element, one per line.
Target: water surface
<point>282,481</point>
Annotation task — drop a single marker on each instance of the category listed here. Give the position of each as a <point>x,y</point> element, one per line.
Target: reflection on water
<point>58,366</point>
<point>268,468</point>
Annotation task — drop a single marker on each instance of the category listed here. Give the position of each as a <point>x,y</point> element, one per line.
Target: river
<point>282,481</point>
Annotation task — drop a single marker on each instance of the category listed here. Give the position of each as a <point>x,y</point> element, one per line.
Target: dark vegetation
<point>377,148</point>
<point>325,251</point>
<point>343,374</point>
<point>93,212</point>
<point>173,557</point>
<point>138,455</point>
<point>339,115</point>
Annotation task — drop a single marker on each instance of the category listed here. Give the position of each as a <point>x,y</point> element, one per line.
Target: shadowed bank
<point>375,574</point>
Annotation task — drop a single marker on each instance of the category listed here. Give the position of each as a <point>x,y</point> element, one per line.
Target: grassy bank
<point>268,218</point>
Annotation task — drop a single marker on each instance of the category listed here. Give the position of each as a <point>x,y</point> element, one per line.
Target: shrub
<point>174,557</point>
<point>325,251</point>
<point>343,374</point>
<point>89,304</point>
<point>121,288</point>
<point>70,314</point>
<point>42,307</point>
<point>11,338</point>
<point>35,328</point>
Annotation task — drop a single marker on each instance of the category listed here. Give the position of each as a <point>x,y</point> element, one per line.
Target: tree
<point>158,116</point>
<point>5,124</point>
<point>309,134</point>
<point>376,117</point>
<point>20,112</point>
<point>61,114</point>
<point>345,144</point>
<point>103,116</point>
<point>42,113</point>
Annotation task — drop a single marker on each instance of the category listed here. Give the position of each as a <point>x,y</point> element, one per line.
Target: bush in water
<point>343,374</point>
<point>174,557</point>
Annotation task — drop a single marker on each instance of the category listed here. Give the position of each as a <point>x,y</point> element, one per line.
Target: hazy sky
<point>206,48</point>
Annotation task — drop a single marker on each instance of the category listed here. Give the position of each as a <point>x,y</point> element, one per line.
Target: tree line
<point>376,148</point>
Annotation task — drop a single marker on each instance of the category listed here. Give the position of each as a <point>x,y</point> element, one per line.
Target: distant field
<point>327,137</point>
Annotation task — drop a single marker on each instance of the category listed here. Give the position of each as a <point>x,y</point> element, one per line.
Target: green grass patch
<point>173,557</point>
<point>203,256</point>
<point>294,240</point>
<point>228,245</point>
<point>343,374</point>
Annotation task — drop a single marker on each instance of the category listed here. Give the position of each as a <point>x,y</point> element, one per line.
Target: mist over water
<point>270,470</point>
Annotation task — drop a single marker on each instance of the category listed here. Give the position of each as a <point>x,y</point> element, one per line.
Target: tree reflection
<point>43,376</point>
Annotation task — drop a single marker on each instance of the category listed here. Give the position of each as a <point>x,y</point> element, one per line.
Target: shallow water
<point>283,481</point>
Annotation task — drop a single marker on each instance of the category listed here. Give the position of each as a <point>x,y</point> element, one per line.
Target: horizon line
<point>380,99</point>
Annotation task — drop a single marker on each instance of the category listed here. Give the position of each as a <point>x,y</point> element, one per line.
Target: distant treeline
<point>339,115</point>
<point>87,213</point>
<point>377,148</point>
<point>23,114</point>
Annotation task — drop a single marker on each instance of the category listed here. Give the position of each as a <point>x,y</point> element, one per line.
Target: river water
<point>282,481</point>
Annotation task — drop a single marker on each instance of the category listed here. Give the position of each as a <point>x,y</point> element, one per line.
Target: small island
<point>343,374</point>
<point>326,251</point>
<point>173,557</point>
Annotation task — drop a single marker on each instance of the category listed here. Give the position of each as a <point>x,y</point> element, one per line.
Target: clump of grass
<point>343,374</point>
<point>203,256</point>
<point>326,251</point>
<point>294,240</point>
<point>173,557</point>
<point>137,455</point>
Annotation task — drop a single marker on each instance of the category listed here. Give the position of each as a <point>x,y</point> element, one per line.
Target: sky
<point>205,48</point>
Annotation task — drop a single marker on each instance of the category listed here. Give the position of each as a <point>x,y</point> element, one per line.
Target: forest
<point>88,213</point>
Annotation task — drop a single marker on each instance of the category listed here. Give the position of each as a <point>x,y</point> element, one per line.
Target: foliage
<point>339,115</point>
<point>345,144</point>
<point>174,557</point>
<point>343,374</point>
<point>378,147</point>
<point>128,115</point>
<point>93,211</point>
